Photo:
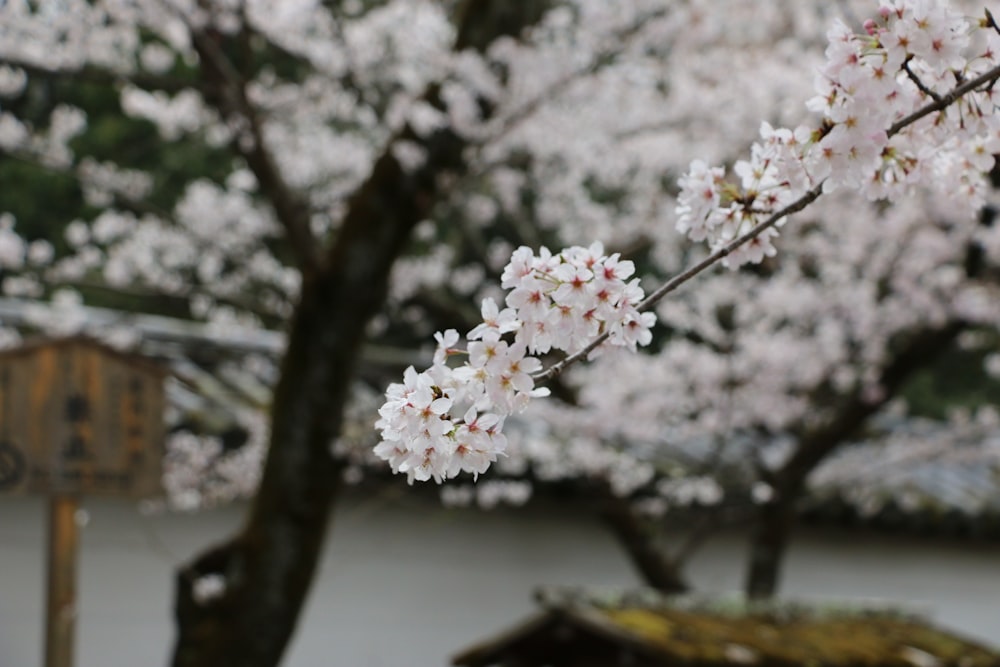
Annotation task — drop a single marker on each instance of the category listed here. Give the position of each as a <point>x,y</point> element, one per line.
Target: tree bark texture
<point>268,567</point>
<point>776,518</point>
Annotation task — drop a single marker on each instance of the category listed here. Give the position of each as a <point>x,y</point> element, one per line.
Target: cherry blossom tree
<point>309,235</point>
<point>376,164</point>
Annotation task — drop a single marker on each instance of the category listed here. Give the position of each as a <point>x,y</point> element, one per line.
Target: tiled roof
<point>644,629</point>
<point>920,474</point>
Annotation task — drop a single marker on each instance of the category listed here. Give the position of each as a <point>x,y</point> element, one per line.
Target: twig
<point>687,275</point>
<point>991,22</point>
<point>290,209</point>
<point>917,82</point>
<point>527,109</point>
<point>812,195</point>
<point>946,100</point>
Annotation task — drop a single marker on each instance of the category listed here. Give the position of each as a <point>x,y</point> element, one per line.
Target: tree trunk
<point>655,567</point>
<point>768,544</point>
<point>776,518</point>
<point>263,574</point>
<point>268,568</point>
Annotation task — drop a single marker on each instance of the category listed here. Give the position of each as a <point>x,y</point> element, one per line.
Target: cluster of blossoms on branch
<point>872,84</point>
<point>907,102</point>
<point>448,419</point>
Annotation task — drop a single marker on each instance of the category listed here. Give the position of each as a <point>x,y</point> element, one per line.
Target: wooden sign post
<point>76,418</point>
<point>60,615</point>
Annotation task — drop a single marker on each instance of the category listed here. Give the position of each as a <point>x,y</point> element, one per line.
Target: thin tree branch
<point>291,210</point>
<point>917,82</point>
<point>946,100</point>
<point>991,22</point>
<point>687,275</point>
<point>597,63</point>
<point>526,110</point>
<point>799,204</point>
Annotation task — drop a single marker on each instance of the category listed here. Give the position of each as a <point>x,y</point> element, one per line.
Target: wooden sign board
<point>79,418</point>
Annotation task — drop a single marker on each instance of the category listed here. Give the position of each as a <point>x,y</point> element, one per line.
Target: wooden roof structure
<point>580,631</point>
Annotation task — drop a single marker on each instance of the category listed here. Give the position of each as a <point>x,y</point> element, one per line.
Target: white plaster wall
<point>406,583</point>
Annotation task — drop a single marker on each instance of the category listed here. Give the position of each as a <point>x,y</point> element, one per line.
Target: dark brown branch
<point>946,100</point>
<point>206,618</point>
<point>917,82</point>
<point>815,444</point>
<point>291,208</point>
<point>991,22</point>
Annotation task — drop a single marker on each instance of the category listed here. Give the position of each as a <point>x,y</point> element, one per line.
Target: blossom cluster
<point>909,57</point>
<point>449,419</point>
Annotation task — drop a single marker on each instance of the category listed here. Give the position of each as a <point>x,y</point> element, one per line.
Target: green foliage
<point>44,200</point>
<point>41,201</point>
<point>956,380</point>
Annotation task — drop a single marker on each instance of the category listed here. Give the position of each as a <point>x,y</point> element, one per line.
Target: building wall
<point>405,582</point>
